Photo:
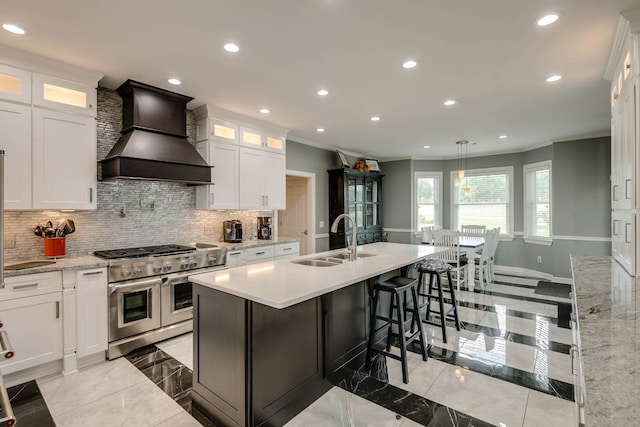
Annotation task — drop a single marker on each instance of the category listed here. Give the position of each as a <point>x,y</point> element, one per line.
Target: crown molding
<point>617,48</point>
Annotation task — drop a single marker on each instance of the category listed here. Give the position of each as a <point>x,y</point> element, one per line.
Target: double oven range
<point>150,297</point>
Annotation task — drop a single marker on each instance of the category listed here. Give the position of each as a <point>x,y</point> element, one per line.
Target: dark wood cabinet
<point>358,194</point>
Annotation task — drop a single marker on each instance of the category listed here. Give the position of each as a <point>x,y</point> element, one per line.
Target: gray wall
<point>305,158</point>
<point>581,206</point>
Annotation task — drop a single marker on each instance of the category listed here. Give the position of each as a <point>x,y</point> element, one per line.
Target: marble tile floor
<point>476,379</point>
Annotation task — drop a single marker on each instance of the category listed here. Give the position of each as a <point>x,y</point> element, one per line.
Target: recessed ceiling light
<point>265,111</point>
<point>174,81</point>
<point>427,146</point>
<point>409,64</point>
<point>449,102</point>
<point>231,47</point>
<point>502,136</point>
<point>553,78</point>
<point>14,29</point>
<point>320,130</point>
<point>547,19</point>
<point>375,119</point>
<point>323,92</point>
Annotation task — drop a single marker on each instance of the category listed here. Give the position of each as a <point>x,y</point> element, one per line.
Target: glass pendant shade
<point>461,174</point>
<point>457,182</point>
<point>466,192</point>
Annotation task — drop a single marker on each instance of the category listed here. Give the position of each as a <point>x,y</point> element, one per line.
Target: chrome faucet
<point>353,247</point>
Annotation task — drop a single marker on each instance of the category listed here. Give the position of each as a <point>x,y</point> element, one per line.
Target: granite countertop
<point>255,243</point>
<point>282,283</point>
<point>608,303</point>
<point>80,263</point>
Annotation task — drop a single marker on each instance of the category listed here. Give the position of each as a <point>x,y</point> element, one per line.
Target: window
<point>428,191</point>
<point>490,199</point>
<point>537,201</point>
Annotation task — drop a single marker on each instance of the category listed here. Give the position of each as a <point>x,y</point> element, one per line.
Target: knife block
<point>54,246</point>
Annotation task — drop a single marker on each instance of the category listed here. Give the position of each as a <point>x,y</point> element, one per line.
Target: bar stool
<point>397,286</point>
<point>435,268</point>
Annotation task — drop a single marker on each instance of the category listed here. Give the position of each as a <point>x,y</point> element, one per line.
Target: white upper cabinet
<point>64,160</point>
<point>58,94</point>
<point>49,133</point>
<point>15,84</point>
<point>248,159</point>
<point>15,122</point>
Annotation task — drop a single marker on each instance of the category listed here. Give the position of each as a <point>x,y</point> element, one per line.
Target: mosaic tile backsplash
<point>129,213</point>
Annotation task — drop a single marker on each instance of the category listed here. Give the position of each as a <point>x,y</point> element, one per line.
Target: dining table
<point>471,244</point>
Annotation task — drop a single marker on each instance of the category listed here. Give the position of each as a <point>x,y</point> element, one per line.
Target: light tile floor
<point>116,393</point>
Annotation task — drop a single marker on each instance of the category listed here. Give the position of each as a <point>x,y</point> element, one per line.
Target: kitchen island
<point>271,338</point>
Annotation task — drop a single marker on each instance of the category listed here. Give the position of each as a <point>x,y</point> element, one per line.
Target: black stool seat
<point>397,286</point>
<point>435,268</point>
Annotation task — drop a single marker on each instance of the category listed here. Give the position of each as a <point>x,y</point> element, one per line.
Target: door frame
<point>311,207</point>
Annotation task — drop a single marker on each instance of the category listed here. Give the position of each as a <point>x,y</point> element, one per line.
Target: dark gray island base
<point>256,365</point>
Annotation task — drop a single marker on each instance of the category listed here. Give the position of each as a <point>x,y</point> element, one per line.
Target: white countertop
<point>282,283</point>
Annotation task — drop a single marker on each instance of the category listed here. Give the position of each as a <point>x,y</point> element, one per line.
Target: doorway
<point>298,219</point>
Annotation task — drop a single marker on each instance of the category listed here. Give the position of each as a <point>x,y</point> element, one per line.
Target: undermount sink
<point>360,255</point>
<point>317,263</point>
<point>328,261</point>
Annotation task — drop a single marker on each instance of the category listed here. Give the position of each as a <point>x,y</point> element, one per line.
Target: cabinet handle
<point>267,204</point>
<point>213,198</point>
<point>287,249</point>
<point>9,419</point>
<point>626,188</point>
<point>57,309</point>
<point>260,253</point>
<point>626,232</point>
<point>30,285</point>
<point>90,195</point>
<point>92,273</point>
<point>7,350</point>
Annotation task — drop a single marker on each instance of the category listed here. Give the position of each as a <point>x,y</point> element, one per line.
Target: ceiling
<point>488,55</point>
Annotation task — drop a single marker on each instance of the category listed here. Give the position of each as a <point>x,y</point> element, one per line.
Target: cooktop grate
<point>143,251</point>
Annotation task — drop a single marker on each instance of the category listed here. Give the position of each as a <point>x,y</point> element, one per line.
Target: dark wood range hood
<point>154,145</point>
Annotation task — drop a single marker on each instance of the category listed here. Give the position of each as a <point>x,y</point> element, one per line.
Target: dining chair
<point>473,230</point>
<point>448,240</point>
<point>482,263</point>
<point>427,233</point>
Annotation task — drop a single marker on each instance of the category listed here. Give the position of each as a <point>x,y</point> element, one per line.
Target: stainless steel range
<point>150,297</point>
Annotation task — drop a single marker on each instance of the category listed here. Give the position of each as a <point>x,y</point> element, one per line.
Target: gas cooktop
<point>144,251</point>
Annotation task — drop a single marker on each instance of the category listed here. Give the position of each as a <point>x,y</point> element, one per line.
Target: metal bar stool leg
<point>416,315</point>
<point>390,329</point>
<point>372,328</point>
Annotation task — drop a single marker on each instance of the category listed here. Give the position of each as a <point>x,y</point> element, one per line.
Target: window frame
<point>526,170</point>
<point>437,205</point>
<point>507,170</point>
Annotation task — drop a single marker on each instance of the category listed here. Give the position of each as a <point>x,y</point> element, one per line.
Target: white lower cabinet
<point>257,255</point>
<point>92,311</point>
<point>33,321</point>
<point>287,250</point>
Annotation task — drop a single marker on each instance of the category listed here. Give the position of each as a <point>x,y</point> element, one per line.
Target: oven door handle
<point>116,287</point>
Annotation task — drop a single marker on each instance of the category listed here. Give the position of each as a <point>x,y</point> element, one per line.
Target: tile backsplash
<point>129,213</point>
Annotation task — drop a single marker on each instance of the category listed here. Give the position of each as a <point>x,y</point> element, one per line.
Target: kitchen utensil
<point>37,230</point>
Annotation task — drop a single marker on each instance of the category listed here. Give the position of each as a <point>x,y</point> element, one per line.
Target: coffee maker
<point>232,231</point>
<point>264,227</point>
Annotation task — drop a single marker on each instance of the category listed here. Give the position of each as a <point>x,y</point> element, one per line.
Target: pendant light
<point>462,166</point>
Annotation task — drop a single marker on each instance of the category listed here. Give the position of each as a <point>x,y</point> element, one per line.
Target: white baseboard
<point>526,272</point>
